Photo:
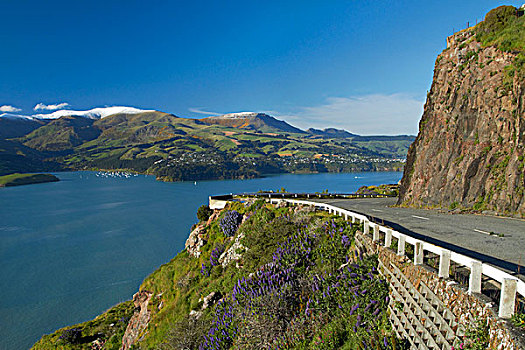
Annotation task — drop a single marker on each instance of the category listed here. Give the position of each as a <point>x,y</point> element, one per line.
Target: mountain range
<point>235,145</point>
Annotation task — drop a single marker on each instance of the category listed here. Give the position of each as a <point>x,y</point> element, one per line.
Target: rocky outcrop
<point>139,321</point>
<point>233,253</point>
<point>211,299</point>
<point>470,148</point>
<point>213,216</point>
<point>196,240</point>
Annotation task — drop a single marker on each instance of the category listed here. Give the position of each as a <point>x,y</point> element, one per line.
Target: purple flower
<point>345,241</point>
<point>230,222</point>
<point>205,271</point>
<point>215,254</point>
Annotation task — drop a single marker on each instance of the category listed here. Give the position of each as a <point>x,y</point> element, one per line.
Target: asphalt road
<point>468,234</point>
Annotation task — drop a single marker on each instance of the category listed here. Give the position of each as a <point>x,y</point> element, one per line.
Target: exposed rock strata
<point>469,151</point>
<point>234,253</point>
<point>196,240</point>
<point>139,321</point>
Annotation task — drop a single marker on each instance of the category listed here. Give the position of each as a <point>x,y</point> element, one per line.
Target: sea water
<point>70,250</point>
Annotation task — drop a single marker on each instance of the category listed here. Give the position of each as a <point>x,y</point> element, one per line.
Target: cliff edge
<point>469,151</point>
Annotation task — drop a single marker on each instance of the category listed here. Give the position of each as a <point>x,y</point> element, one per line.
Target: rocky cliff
<point>469,151</point>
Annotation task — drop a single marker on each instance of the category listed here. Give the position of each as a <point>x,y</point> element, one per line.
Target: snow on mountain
<point>238,115</point>
<point>95,113</point>
<point>15,116</point>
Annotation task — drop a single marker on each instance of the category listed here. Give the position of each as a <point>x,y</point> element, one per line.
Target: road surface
<point>496,240</point>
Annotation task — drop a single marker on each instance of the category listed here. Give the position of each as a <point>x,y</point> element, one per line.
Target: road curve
<point>496,240</point>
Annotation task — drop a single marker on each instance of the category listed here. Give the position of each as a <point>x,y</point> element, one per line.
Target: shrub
<point>313,290</point>
<point>230,222</point>
<point>477,337</point>
<point>503,29</point>
<point>72,335</point>
<point>204,212</point>
<point>187,333</point>
<point>498,18</point>
<point>518,320</point>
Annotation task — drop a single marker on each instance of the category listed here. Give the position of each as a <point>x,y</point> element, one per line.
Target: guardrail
<point>310,195</point>
<point>510,285</point>
<point>219,201</point>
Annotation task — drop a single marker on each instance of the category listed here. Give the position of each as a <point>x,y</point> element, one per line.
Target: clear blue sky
<point>360,65</point>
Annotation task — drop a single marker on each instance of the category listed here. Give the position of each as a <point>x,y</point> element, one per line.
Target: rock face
<point>469,151</point>
<point>234,252</point>
<point>139,321</point>
<point>211,299</point>
<point>196,240</point>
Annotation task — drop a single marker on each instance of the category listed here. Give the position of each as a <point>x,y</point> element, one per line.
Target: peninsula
<point>26,179</point>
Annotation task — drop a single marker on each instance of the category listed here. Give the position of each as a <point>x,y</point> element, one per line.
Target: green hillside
<point>174,148</point>
<point>25,179</point>
<point>295,281</point>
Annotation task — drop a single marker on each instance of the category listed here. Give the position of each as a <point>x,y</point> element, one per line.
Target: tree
<point>204,212</point>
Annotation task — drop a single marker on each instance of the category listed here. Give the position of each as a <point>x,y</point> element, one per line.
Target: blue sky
<point>364,66</point>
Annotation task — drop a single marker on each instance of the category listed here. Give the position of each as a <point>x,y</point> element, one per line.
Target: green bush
<point>518,320</point>
<point>477,336</point>
<point>204,212</point>
<point>498,18</point>
<point>503,29</point>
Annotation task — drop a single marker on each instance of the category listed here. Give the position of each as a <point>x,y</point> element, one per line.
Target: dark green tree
<point>204,212</point>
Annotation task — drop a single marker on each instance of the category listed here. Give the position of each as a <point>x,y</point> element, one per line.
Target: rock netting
<point>466,308</point>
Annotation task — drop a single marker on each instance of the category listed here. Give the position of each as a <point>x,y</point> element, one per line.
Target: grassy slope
<point>308,317</point>
<point>17,157</point>
<point>109,326</point>
<point>149,134</point>
<point>503,29</point>
<point>25,179</point>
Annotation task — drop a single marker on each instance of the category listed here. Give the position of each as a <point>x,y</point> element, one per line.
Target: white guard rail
<point>510,285</point>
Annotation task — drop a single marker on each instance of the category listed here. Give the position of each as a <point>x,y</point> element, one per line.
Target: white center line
<point>420,217</point>
<point>487,233</point>
<point>377,210</point>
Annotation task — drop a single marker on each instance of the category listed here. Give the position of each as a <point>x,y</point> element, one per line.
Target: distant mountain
<point>237,145</point>
<point>95,113</point>
<point>12,116</point>
<point>149,126</point>
<point>15,157</point>
<point>62,134</point>
<point>330,133</point>
<point>16,126</point>
<point>253,121</point>
<point>340,133</point>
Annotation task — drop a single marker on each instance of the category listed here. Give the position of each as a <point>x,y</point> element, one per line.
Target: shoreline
<point>17,179</point>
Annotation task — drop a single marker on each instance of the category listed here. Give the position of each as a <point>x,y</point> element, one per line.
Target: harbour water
<point>69,250</point>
